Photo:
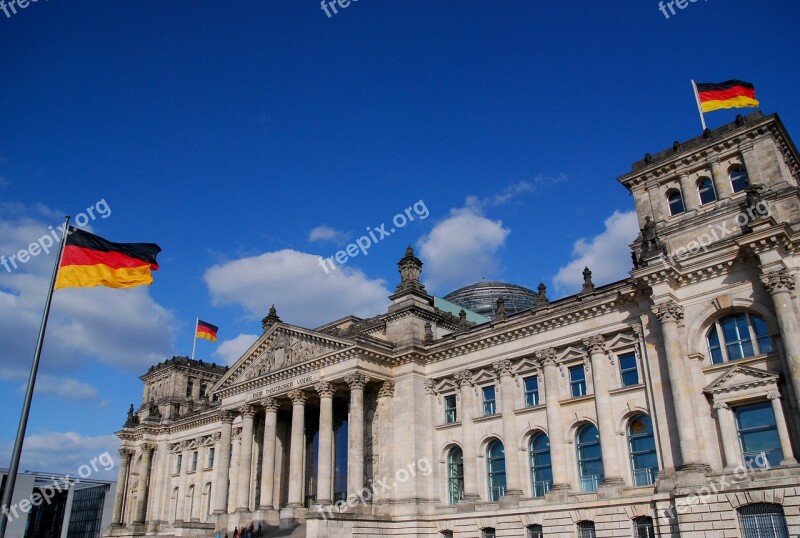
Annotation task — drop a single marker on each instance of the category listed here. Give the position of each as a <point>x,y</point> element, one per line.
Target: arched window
<point>642,445</point>
<point>743,335</point>
<point>534,531</point>
<point>207,493</point>
<point>763,520</point>
<point>189,504</point>
<point>488,532</point>
<point>541,466</point>
<point>203,388</point>
<point>705,189</point>
<point>586,529</point>
<point>174,500</point>
<point>455,474</point>
<point>675,201</point>
<point>590,460</point>
<point>643,527</point>
<point>739,179</point>
<point>496,459</point>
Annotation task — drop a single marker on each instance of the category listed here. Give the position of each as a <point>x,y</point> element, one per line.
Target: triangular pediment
<point>621,340</point>
<point>282,346</point>
<point>739,377</point>
<point>528,364</point>
<point>445,385</point>
<point>571,354</point>
<point>483,376</point>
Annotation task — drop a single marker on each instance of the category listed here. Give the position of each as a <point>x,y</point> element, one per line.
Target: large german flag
<point>89,260</point>
<point>730,94</point>
<point>206,330</point>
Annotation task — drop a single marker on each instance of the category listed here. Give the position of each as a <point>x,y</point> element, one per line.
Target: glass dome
<point>482,298</point>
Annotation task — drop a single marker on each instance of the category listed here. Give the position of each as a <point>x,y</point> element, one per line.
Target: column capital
<point>774,395</point>
<point>247,411</point>
<point>324,389</point>
<point>430,387</point>
<point>547,356</point>
<point>226,417</point>
<point>215,437</point>
<point>387,389</point>
<point>126,453</point>
<point>463,378</point>
<point>778,281</point>
<point>502,368</point>
<point>298,397</point>
<point>269,404</point>
<point>668,312</point>
<point>596,345</point>
<point>721,405</point>
<point>147,447</point>
<point>356,380</point>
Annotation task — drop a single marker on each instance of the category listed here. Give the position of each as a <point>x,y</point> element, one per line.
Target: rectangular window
<point>758,435</point>
<point>488,532</point>
<point>489,407</point>
<point>531,391</point>
<point>450,413</point>
<point>446,534</point>
<point>577,381</point>
<point>211,454</point>
<point>628,370</point>
<point>178,462</point>
<point>194,461</point>
<point>534,531</point>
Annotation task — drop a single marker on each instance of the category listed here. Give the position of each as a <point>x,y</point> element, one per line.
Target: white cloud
<point>125,328</point>
<point>323,232</point>
<point>295,282</point>
<point>66,452</point>
<point>607,254</point>
<point>512,191</point>
<point>231,350</point>
<point>66,387</point>
<point>461,249</point>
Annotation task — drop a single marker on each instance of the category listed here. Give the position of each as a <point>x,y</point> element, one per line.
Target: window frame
<point>178,463</point>
<point>489,405</point>
<point>748,522</point>
<point>537,468</point>
<point>211,455</point>
<point>488,532</point>
<point>772,427</point>
<point>670,202</point>
<point>624,371</point>
<point>588,481</point>
<point>195,455</point>
<point>586,529</point>
<point>719,352</point>
<point>580,383</point>
<point>643,527</point>
<point>496,487</point>
<point>534,531</point>
<point>635,454</point>
<point>455,481</point>
<point>700,189</point>
<point>450,413</point>
<point>531,402</point>
<point>738,168</point>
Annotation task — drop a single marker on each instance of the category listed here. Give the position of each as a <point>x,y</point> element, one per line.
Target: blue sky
<point>249,138</point>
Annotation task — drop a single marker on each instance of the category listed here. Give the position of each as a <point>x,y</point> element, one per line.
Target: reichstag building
<point>662,405</point>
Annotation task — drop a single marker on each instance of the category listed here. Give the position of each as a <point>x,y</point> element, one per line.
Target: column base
<point>788,461</point>
<point>242,510</point>
<point>695,467</point>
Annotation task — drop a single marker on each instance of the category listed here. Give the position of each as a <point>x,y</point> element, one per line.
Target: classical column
<point>270,406</point>
<point>513,475</point>
<point>721,183</point>
<point>783,432</point>
<point>325,451</point>
<point>669,314</point>
<point>689,194</point>
<point>355,433</point>
<point>728,430</point>
<point>223,463</point>
<point>386,445</point>
<point>468,446</point>
<point>601,374</point>
<point>183,486</point>
<point>233,486</point>
<point>555,427</point>
<point>144,479</point>
<point>780,285</point>
<point>296,473</point>
<point>197,481</point>
<point>245,459</point>
<point>125,456</point>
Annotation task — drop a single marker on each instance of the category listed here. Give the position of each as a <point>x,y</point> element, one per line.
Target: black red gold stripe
<point>89,260</point>
<point>728,94</point>
<point>206,330</point>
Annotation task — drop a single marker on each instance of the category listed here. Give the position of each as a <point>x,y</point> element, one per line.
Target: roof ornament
<point>542,296</point>
<point>271,319</point>
<point>588,285</point>
<point>410,268</point>
<point>500,311</point>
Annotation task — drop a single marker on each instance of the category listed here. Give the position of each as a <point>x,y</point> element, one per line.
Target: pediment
<point>446,385</point>
<point>571,354</point>
<point>279,348</point>
<point>528,364</point>
<point>739,377</point>
<point>484,376</point>
<point>622,340</point>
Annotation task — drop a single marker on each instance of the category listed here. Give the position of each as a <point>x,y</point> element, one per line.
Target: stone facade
<point>665,401</point>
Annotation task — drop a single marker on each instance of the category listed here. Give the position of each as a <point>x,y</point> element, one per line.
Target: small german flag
<point>729,94</point>
<point>89,260</point>
<point>206,330</point>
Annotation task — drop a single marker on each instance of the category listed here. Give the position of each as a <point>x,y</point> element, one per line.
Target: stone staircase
<point>298,531</point>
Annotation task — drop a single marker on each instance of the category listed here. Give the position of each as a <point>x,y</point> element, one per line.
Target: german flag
<point>730,94</point>
<point>206,330</point>
<point>89,260</point>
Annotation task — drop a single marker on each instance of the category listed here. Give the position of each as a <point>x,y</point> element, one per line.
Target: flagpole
<point>26,405</point>
<point>699,106</point>
<point>194,342</point>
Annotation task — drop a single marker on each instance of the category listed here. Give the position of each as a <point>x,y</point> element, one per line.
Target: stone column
<point>223,464</point>
<point>513,475</point>
<point>669,314</point>
<point>125,456</point>
<point>233,486</point>
<point>245,460</point>
<point>325,461</point>
<point>468,444</point>
<point>555,426</point>
<point>197,480</point>
<point>728,431</point>
<point>385,438</point>
<point>268,457</point>
<point>144,480</point>
<point>296,449</point>
<point>689,194</point>
<point>780,285</point>
<point>183,487</point>
<point>355,433</point>
<point>783,432</point>
<point>720,178</point>
<point>601,375</point>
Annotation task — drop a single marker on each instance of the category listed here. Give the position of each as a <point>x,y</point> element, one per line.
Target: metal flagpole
<point>26,405</point>
<point>699,106</point>
<point>194,342</point>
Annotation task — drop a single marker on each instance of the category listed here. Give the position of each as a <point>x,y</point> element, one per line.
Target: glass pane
<point>713,345</point>
<point>739,180</point>
<point>755,415</point>
<point>576,373</point>
<point>706,190</point>
<point>762,334</point>
<point>675,203</point>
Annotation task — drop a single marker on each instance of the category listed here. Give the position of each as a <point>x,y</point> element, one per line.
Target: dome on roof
<point>482,297</point>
